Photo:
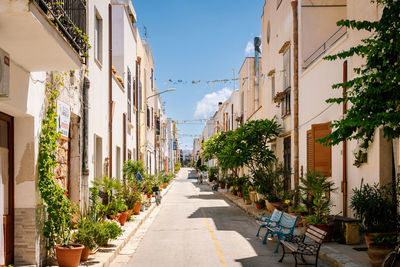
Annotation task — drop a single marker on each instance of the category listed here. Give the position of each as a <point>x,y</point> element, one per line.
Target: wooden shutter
<point>310,157</point>
<point>322,159</point>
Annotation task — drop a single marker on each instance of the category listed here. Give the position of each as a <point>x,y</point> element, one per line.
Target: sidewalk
<point>105,255</point>
<point>335,254</point>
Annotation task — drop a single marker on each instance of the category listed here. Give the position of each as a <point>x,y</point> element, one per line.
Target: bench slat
<point>317,236</point>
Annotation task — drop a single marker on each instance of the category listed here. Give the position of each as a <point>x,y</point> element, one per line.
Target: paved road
<point>196,227</point>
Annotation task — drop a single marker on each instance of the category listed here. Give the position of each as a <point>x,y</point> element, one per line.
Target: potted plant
<point>259,204</point>
<point>279,97</point>
<point>114,71</point>
<point>138,204</point>
<point>122,211</point>
<point>85,236</point>
<point>108,230</point>
<point>375,206</point>
<point>314,191</point>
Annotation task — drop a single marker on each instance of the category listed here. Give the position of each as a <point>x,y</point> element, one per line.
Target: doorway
<point>7,184</point>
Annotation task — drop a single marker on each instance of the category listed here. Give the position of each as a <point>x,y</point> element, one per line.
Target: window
<point>129,96</point>
<point>98,37</point>
<point>152,79</point>
<point>118,163</point>
<point>148,117</point>
<point>287,161</point>
<point>319,157</point>
<point>134,92</point>
<point>286,103</point>
<point>286,69</point>
<point>152,117</point>
<point>272,85</point>
<point>98,163</point>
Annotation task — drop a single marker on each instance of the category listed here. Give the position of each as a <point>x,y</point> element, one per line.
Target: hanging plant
<point>279,97</point>
<point>360,157</point>
<point>58,207</point>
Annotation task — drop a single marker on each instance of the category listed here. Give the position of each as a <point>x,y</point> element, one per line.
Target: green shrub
<point>177,166</point>
<point>85,234</point>
<point>375,206</point>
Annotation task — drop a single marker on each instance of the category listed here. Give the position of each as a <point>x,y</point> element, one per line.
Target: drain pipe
<point>110,102</point>
<point>296,94</point>
<point>344,154</point>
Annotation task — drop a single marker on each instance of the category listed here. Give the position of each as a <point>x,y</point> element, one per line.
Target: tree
<point>374,94</point>
<point>254,137</point>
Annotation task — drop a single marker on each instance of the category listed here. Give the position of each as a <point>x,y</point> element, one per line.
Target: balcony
<point>336,36</point>
<point>44,35</point>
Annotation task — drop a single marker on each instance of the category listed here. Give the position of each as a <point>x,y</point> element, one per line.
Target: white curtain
<point>1,211</point>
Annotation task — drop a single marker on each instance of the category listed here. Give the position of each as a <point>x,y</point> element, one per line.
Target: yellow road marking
<point>221,256</point>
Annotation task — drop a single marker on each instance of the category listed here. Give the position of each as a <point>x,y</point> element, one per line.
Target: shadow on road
<point>231,218</point>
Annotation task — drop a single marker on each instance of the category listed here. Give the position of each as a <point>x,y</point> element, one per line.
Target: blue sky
<point>197,40</point>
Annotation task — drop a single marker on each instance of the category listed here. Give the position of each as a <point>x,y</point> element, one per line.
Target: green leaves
<point>58,207</point>
<point>374,94</point>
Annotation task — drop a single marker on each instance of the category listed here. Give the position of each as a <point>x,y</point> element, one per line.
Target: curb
<point>323,255</point>
<point>108,257</point>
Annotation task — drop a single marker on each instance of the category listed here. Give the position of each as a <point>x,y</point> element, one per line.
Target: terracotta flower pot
<point>129,214</point>
<point>222,186</point>
<point>85,254</point>
<point>328,228</point>
<point>69,257</point>
<point>377,254</point>
<point>259,206</point>
<point>368,237</point>
<point>136,208</point>
<point>122,218</point>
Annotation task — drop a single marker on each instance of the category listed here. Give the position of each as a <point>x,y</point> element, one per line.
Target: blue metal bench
<point>284,228</point>
<point>307,245</point>
<point>272,220</point>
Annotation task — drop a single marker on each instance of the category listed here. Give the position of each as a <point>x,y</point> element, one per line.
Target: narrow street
<point>196,227</point>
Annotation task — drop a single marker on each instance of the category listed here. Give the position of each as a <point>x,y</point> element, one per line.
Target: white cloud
<point>249,51</point>
<point>209,103</point>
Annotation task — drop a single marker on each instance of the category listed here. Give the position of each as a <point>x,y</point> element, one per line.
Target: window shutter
<point>310,157</point>
<point>322,160</point>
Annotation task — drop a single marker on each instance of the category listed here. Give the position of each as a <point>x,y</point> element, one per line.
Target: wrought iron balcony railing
<point>337,35</point>
<point>69,16</point>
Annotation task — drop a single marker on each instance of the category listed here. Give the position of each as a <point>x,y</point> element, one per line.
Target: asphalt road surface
<point>197,227</point>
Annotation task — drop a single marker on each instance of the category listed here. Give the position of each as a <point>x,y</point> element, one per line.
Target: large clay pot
<point>136,208</point>
<point>69,256</point>
<point>85,254</point>
<point>259,206</point>
<point>328,228</point>
<point>377,254</point>
<point>122,218</point>
<point>368,237</point>
<point>129,214</point>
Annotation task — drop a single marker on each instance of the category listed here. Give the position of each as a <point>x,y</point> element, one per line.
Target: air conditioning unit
<point>4,74</point>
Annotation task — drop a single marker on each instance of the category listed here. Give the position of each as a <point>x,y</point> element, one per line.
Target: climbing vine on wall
<point>58,206</point>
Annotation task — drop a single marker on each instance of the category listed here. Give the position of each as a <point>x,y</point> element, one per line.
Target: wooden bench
<point>307,245</point>
<point>272,220</point>
<point>283,229</point>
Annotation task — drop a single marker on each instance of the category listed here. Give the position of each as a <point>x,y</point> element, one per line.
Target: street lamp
<point>168,90</point>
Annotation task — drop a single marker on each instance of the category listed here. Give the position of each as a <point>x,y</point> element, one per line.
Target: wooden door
<point>7,169</point>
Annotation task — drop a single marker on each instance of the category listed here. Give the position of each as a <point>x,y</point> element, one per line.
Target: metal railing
<point>69,16</point>
<point>339,33</point>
